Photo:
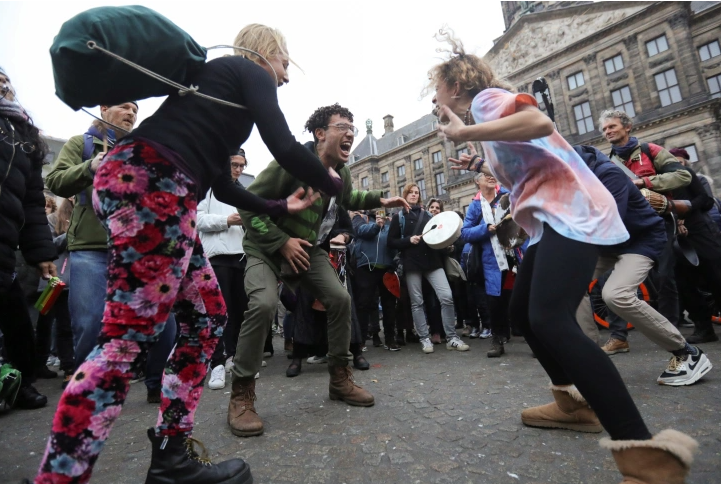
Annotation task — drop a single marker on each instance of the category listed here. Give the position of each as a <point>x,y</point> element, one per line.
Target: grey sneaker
<point>427,345</point>
<point>476,333</point>
<point>486,333</point>
<point>685,370</point>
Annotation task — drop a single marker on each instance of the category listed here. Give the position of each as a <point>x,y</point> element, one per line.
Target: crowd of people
<point>174,270</point>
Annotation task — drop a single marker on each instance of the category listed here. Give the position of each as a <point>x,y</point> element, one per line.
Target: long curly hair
<point>471,72</point>
<point>28,132</point>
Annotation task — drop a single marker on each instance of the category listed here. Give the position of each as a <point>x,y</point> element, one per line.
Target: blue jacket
<point>644,225</point>
<point>475,231</point>
<point>371,244</point>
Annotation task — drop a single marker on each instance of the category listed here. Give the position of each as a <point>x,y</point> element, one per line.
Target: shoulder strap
<point>646,150</point>
<point>498,197</point>
<point>88,146</point>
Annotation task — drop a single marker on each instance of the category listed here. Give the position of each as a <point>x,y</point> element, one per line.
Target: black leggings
<point>548,290</point>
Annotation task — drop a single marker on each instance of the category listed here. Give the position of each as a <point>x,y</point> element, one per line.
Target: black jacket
<point>703,233</point>
<point>646,228</point>
<point>22,209</point>
<point>417,257</point>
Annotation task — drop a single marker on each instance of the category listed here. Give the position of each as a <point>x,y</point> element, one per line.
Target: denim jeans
<point>86,300</point>
<point>437,279</point>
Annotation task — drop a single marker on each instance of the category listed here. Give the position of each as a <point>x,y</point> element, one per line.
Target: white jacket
<point>216,236</point>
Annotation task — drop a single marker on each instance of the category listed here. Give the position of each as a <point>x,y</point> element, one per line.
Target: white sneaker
<point>265,363</point>
<point>427,345</point>
<point>257,375</point>
<point>685,370</point>
<point>229,364</point>
<point>485,334</point>
<point>457,344</point>
<point>217,378</point>
<point>314,360</point>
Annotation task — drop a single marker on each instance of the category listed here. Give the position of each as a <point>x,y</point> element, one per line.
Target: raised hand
<point>464,163</point>
<point>395,202</point>
<point>454,130</point>
<point>297,202</point>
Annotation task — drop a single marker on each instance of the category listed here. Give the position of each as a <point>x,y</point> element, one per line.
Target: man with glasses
<point>288,248</point>
<point>221,233</point>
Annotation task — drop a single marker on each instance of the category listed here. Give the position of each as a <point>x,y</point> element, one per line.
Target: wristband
<point>472,161</point>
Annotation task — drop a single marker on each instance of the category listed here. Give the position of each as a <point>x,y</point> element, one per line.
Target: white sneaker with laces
<point>314,360</point>
<point>217,378</point>
<point>685,370</point>
<point>427,345</point>
<point>457,344</point>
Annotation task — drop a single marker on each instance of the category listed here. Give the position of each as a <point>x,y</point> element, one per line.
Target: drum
<point>442,230</point>
<point>337,257</point>
<point>657,201</point>
<point>646,292</point>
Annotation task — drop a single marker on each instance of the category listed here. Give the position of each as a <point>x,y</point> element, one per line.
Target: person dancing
<point>146,195</point>
<point>567,212</point>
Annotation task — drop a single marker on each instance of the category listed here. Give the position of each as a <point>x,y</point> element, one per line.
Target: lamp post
<point>541,86</point>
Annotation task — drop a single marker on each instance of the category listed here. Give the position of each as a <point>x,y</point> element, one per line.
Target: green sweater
<point>265,236</point>
<point>70,176</point>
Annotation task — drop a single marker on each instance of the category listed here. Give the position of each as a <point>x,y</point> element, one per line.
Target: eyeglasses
<point>345,128</point>
<point>487,175</point>
<point>237,166</point>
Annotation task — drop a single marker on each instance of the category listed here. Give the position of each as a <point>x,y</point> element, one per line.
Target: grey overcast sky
<point>370,56</point>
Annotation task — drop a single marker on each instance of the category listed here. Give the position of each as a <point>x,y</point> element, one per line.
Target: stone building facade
<point>659,61</point>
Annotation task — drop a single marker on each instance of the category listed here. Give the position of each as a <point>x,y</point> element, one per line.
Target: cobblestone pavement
<point>447,417</point>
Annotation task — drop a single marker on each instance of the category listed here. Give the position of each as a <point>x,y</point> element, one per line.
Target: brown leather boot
<point>242,417</point>
<point>342,387</point>
<point>665,459</point>
<point>570,411</point>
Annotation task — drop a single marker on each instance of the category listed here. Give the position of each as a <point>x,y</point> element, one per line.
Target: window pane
<point>579,79</point>
<point>617,101</point>
<point>714,48</point>
<point>675,94</point>
<point>586,109</point>
<point>625,94</point>
<point>628,108</point>
<point>661,43</point>
<point>609,66</point>
<point>618,62</point>
<point>665,98</point>
<point>704,53</point>
<point>713,85</point>
<point>589,125</point>
<point>571,82</point>
<point>660,81</point>
<point>581,127</point>
<point>651,47</point>
<point>578,112</point>
<point>692,154</point>
<point>671,77</point>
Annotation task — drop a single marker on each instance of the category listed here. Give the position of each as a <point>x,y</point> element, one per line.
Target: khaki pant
<point>619,294</point>
<point>261,286</point>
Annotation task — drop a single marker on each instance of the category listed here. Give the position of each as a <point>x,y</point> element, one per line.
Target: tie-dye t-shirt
<point>548,180</point>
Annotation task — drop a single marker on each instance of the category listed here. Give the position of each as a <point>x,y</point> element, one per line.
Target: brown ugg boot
<point>570,411</point>
<point>665,459</point>
<point>342,387</point>
<point>242,417</point>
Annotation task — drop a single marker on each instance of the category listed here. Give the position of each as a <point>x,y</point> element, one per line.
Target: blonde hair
<point>262,39</point>
<point>472,73</point>
<point>407,190</point>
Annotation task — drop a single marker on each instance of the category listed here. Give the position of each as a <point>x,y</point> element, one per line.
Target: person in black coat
<point>23,224</point>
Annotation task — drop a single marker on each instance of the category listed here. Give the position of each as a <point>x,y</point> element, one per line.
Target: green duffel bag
<point>87,77</point>
<point>9,385</point>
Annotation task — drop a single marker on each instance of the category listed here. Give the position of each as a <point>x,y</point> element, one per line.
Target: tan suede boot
<point>570,411</point>
<point>665,459</point>
<point>242,417</point>
<point>342,387</point>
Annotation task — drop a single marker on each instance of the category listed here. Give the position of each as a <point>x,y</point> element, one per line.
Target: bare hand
<point>416,239</point>
<point>465,159</point>
<point>380,221</point>
<point>455,129</point>
<point>339,239</point>
<point>234,219</point>
<point>682,230</point>
<point>297,202</point>
<point>492,229</point>
<point>395,202</point>
<point>47,270</point>
<point>95,164</point>
<point>639,183</point>
<point>293,252</point>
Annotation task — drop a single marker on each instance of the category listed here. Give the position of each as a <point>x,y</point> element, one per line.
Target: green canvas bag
<point>9,386</point>
<point>86,77</point>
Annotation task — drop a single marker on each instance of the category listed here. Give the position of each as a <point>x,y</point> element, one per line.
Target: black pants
<point>368,286</point>
<point>498,307</point>
<point>60,314</point>
<point>691,281</point>
<point>551,281</point>
<point>668,304</point>
<point>230,280</point>
<point>477,314</point>
<point>18,334</point>
<point>460,301</point>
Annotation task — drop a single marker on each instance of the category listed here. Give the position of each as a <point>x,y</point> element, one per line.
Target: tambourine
<point>442,230</point>
<point>657,201</point>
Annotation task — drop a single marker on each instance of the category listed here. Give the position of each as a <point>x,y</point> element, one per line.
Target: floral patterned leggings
<point>155,264</point>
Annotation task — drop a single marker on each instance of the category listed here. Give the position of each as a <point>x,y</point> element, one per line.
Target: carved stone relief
<point>537,39</point>
<point>580,93</point>
<point>711,130</point>
<point>590,59</point>
<point>630,41</point>
<point>658,62</point>
<point>612,80</point>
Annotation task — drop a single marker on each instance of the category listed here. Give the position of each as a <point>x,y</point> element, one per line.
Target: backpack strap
<point>646,150</point>
<point>88,146</point>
